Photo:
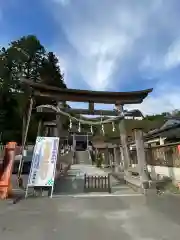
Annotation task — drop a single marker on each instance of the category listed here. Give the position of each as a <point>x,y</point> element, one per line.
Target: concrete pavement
<point>79,218</point>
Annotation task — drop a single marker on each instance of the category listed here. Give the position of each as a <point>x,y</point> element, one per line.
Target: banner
<point>44,160</point>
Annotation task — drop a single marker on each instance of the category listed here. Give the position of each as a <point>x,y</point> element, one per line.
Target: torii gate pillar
<point>123,137</point>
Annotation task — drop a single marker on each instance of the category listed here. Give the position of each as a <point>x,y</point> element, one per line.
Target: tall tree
<point>50,71</point>
<point>28,54</point>
<point>26,58</point>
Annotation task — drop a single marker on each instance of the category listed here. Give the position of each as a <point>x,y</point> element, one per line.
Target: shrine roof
<point>76,95</point>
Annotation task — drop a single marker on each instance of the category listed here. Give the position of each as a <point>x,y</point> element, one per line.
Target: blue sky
<point>113,45</point>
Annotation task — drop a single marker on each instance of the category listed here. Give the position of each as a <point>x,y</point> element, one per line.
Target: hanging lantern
<point>79,128</point>
<point>113,127</point>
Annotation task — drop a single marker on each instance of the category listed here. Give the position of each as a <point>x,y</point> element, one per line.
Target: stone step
<point>82,157</point>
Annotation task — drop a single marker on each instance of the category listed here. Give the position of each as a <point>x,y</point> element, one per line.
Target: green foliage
<point>50,71</point>
<point>99,160</point>
<point>24,58</point>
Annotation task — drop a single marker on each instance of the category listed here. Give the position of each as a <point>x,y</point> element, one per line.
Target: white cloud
<point>166,99</point>
<point>116,37</point>
<point>104,37</point>
<point>63,66</point>
<point>172,58</point>
<point>162,62</point>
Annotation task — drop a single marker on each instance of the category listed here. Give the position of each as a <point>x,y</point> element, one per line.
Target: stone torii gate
<point>43,93</point>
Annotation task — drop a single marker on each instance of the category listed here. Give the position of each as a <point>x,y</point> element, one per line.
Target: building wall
<point>171,172</point>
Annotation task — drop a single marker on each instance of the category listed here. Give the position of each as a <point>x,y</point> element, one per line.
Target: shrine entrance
<point>82,141</point>
<point>50,102</point>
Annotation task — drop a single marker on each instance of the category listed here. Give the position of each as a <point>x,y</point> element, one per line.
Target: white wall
<point>172,172</point>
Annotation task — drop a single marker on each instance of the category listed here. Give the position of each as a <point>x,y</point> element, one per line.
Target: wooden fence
<point>164,155</point>
<point>97,183</point>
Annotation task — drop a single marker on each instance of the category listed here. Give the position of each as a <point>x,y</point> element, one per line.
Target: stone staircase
<point>82,157</point>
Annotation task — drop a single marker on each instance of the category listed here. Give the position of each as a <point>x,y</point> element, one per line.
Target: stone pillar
<point>39,132</point>
<point>46,131</point>
<point>115,157</point>
<point>123,137</point>
<point>141,157</point>
<point>55,131</point>
<point>74,149</point>
<point>118,155</point>
<point>87,142</point>
<point>59,121</point>
<point>109,157</point>
<point>121,159</point>
<point>116,164</point>
<point>52,132</point>
<point>59,129</point>
<point>74,142</point>
<point>106,156</point>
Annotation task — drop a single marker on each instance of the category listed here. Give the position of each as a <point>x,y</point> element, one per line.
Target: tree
<point>24,58</point>
<point>28,54</point>
<point>50,72</point>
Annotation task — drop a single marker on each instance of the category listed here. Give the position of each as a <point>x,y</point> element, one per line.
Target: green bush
<point>99,160</point>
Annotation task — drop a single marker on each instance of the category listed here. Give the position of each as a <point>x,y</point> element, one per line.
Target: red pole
<point>5,178</point>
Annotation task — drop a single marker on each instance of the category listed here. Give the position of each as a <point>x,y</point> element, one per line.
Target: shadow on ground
<point>166,204</point>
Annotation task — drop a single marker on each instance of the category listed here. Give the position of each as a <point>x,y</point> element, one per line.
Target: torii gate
<point>43,93</point>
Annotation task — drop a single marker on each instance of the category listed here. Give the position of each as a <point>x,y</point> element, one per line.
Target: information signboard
<point>43,164</point>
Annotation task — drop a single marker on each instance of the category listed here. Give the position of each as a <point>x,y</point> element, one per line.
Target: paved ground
<point>82,217</point>
<point>79,218</point>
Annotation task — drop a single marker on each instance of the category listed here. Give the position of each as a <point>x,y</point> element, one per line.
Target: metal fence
<point>164,155</point>
<point>97,183</point>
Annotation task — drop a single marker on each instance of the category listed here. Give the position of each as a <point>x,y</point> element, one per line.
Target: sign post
<point>43,166</point>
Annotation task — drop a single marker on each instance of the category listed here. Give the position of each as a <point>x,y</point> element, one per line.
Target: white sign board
<point>44,160</point>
